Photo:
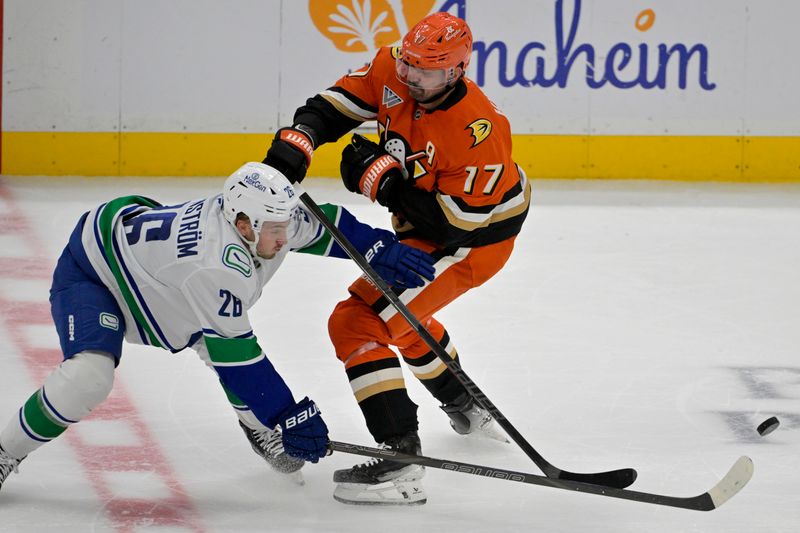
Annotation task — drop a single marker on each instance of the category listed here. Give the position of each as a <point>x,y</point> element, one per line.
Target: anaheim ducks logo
<point>481,129</point>
<point>366,25</point>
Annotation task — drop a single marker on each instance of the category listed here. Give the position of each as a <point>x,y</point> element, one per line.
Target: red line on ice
<point>126,514</point>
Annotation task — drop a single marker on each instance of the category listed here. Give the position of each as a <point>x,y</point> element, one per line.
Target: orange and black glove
<point>291,151</point>
<point>370,170</point>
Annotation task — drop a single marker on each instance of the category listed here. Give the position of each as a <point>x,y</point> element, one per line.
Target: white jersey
<point>182,272</point>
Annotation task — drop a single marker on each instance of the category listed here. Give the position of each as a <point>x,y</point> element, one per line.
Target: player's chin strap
<point>251,245</point>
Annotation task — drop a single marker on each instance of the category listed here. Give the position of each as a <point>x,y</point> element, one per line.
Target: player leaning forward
<point>185,276</point>
<point>444,170</point>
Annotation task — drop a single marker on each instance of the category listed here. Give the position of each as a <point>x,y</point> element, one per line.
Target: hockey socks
<point>69,393</point>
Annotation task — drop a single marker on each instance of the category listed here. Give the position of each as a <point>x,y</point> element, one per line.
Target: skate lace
<point>7,465</point>
<point>372,461</point>
<point>270,441</point>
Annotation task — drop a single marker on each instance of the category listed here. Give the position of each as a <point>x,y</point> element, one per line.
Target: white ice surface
<point>636,324</point>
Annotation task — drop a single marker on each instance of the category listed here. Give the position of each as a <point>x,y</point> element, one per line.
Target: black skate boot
<point>384,482</point>
<point>7,465</point>
<point>469,418</point>
<point>268,444</point>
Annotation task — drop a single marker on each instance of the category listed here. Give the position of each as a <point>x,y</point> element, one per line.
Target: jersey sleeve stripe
<point>321,245</point>
<point>233,352</point>
<point>248,362</point>
<point>349,106</point>
<point>208,332</point>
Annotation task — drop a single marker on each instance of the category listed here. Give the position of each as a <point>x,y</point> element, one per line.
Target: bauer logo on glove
<point>301,417</point>
<point>304,434</point>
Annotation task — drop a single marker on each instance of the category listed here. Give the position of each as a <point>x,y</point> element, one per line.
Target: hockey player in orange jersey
<point>443,168</point>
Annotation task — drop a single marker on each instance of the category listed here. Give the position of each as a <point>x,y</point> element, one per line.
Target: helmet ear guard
<point>262,194</point>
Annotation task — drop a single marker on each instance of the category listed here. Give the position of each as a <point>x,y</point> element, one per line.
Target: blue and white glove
<point>303,431</point>
<point>400,265</point>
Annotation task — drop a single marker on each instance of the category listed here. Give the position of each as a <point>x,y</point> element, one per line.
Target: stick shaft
<point>736,478</point>
<point>617,478</point>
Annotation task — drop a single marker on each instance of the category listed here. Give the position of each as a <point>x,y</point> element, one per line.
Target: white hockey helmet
<point>261,193</point>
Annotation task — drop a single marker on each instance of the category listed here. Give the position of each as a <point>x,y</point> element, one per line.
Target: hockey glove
<point>400,265</point>
<point>368,169</point>
<point>303,431</point>
<point>291,152</point>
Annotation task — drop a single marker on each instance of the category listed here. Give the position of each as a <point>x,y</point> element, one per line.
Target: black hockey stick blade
<point>616,478</point>
<point>736,478</point>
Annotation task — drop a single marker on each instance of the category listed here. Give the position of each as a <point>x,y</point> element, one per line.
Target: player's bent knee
<point>353,324</point>
<point>340,323</point>
<point>99,375</point>
<point>80,383</point>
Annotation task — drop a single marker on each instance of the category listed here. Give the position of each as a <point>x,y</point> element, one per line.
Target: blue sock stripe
<point>53,409</point>
<point>29,432</point>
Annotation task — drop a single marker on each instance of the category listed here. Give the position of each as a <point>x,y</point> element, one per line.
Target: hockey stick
<point>615,478</point>
<point>736,478</point>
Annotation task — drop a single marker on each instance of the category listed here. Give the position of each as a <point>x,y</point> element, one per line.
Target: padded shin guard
<point>69,393</point>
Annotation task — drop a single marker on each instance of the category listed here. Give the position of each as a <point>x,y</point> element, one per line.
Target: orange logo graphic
<point>366,25</point>
<point>645,20</point>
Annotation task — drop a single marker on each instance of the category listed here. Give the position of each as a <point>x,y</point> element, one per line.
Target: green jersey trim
<point>322,245</point>
<point>105,227</point>
<point>232,352</point>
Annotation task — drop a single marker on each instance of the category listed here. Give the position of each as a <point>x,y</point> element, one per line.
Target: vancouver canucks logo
<point>107,320</point>
<point>481,129</point>
<point>235,257</point>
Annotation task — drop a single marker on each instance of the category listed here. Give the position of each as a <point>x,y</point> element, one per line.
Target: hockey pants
<point>364,326</point>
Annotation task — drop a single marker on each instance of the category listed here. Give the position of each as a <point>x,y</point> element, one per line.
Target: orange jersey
<point>463,188</point>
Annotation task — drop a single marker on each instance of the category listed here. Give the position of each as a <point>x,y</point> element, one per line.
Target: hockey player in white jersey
<point>185,276</point>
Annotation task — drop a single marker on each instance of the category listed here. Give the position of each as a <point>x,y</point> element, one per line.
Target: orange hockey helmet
<point>436,46</point>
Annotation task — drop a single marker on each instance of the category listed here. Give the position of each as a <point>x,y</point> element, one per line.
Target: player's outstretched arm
<point>397,263</point>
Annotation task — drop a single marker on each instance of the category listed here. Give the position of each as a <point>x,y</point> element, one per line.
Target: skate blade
<point>387,493</point>
<point>296,477</point>
<point>491,433</point>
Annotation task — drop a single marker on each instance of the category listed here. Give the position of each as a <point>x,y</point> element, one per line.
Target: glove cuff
<point>298,139</point>
<point>371,179</point>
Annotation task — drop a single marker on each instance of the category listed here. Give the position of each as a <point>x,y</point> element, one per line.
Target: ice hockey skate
<point>468,418</point>
<point>7,465</point>
<point>383,482</point>
<point>268,444</point>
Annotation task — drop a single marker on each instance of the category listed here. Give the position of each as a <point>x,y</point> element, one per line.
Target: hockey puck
<point>768,426</point>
